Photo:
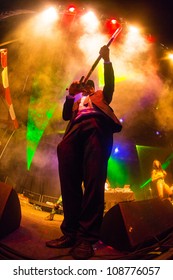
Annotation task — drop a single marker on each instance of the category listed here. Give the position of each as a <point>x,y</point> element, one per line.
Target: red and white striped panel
<point>5,84</point>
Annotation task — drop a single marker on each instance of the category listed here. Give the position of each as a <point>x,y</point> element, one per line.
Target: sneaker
<point>82,250</point>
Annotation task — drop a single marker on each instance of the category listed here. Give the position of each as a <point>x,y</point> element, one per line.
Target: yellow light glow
<point>43,23</point>
<point>90,22</point>
<point>170,56</point>
<point>48,16</point>
<point>135,41</point>
<point>133,29</point>
<point>89,44</point>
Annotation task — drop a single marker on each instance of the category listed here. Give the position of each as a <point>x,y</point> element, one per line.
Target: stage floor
<point>28,241</point>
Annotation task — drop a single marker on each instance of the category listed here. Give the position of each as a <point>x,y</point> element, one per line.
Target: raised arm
<point>108,89</point>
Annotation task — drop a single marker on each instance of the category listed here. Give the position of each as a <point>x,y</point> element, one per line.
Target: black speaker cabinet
<point>130,224</point>
<point>10,210</point>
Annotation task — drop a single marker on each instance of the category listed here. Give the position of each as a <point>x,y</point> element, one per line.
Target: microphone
<point>80,85</point>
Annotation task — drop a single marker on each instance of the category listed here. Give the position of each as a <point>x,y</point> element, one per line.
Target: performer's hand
<point>74,88</point>
<point>104,52</point>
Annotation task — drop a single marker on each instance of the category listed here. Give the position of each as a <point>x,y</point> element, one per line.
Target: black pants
<point>83,156</point>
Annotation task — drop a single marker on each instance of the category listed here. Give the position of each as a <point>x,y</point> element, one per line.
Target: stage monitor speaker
<point>130,224</point>
<point>10,210</point>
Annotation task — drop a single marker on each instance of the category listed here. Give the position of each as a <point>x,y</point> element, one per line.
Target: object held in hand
<point>75,88</point>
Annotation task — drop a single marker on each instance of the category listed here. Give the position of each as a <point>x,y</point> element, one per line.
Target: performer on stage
<point>158,178</point>
<point>83,157</point>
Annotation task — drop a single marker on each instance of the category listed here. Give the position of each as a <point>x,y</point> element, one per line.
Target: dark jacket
<point>101,99</point>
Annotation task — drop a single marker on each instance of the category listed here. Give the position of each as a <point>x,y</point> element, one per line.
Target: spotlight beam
<point>115,34</point>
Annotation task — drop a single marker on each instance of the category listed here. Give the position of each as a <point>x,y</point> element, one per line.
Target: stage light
<point>116,150</point>
<point>167,56</point>
<point>44,22</point>
<point>150,38</point>
<point>90,22</point>
<point>157,133</point>
<point>133,29</point>
<point>71,9</point>
<point>111,25</point>
<point>135,42</point>
<point>113,21</point>
<point>170,56</point>
<point>49,15</point>
<point>118,173</point>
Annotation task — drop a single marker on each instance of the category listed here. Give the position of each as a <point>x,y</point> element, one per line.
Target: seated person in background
<point>158,178</point>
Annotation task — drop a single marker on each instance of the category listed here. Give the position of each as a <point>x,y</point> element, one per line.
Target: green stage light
<point>40,111</point>
<point>118,174</point>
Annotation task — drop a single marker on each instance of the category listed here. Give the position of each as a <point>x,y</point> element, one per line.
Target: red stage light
<point>111,25</point>
<point>71,9</point>
<point>113,21</point>
<point>151,38</point>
